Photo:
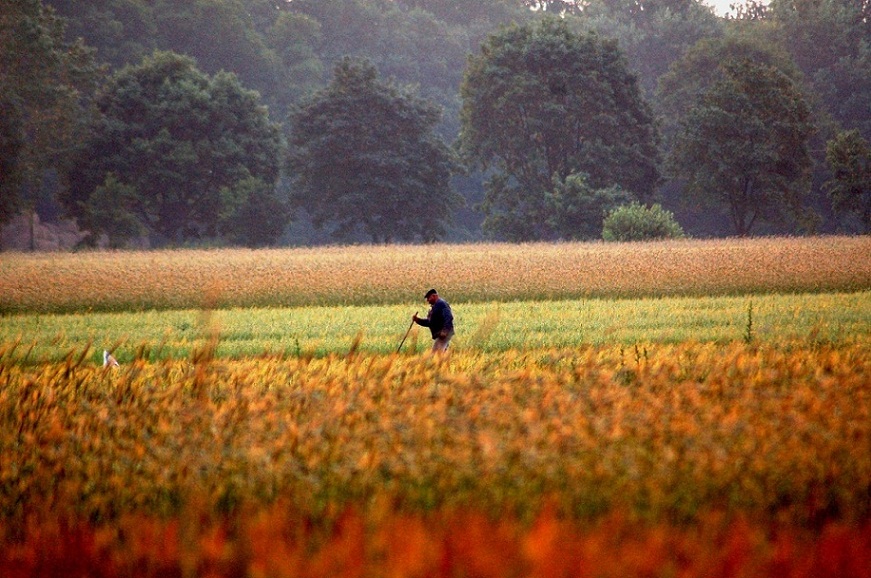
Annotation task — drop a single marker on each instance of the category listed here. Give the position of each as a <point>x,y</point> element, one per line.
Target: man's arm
<point>448,319</point>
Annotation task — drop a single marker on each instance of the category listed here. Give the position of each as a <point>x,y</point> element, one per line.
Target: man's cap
<point>430,292</point>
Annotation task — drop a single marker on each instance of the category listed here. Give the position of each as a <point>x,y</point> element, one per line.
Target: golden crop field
<point>676,409</point>
<point>189,279</point>
<point>753,459</point>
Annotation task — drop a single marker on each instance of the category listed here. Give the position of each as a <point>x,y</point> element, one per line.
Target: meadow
<point>693,408</point>
<point>483,327</point>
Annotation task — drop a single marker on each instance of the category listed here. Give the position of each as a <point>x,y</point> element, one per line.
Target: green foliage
<point>295,38</point>
<point>636,222</point>
<point>365,159</point>
<point>652,33</point>
<point>576,209</point>
<point>45,87</point>
<point>849,158</point>
<point>845,90</point>
<point>819,33</point>
<point>295,331</point>
<point>184,145</point>
<point>255,213</point>
<point>744,145</point>
<point>541,102</point>
<point>465,12</point>
<point>220,35</point>
<point>701,66</point>
<point>285,50</point>
<point>11,142</point>
<point>413,44</point>
<point>122,31</point>
<point>830,41</point>
<point>109,205</point>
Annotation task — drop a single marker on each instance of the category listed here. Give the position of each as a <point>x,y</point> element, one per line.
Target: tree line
<point>262,122</point>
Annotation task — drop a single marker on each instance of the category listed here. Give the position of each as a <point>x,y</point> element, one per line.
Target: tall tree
<point>365,159</point>
<point>180,149</point>
<point>404,41</point>
<point>348,27</point>
<point>295,38</point>
<point>744,145</point>
<point>819,32</point>
<point>122,31</point>
<point>221,35</point>
<point>830,41</point>
<point>46,84</point>
<point>701,66</point>
<point>683,87</point>
<point>652,33</point>
<point>463,11</point>
<point>845,90</point>
<point>11,142</point>
<point>540,103</point>
<point>849,158</point>
<point>231,35</point>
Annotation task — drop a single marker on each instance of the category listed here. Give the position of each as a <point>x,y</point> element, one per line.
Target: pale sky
<point>721,7</point>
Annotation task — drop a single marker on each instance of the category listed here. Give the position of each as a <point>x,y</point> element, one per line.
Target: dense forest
<point>293,122</point>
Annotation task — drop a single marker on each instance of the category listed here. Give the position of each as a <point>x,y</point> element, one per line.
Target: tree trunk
<point>32,227</point>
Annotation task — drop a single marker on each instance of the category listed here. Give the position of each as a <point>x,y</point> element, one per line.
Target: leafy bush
<point>636,222</point>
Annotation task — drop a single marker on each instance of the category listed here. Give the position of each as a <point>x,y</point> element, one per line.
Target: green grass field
<point>486,327</point>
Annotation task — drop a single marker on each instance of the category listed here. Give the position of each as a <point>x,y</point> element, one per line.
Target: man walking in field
<point>440,321</point>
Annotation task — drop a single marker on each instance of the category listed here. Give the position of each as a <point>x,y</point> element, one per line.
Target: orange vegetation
<point>668,460</point>
<point>277,542</point>
<point>664,431</point>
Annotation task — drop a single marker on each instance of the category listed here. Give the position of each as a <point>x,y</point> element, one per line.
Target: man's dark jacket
<point>439,317</point>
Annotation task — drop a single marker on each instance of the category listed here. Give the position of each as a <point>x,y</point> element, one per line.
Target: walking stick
<point>406,334</point>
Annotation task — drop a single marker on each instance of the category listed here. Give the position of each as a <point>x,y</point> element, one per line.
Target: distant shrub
<point>636,222</point>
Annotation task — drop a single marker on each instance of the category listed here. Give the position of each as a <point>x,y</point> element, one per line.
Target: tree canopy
<point>849,158</point>
<point>744,145</point>
<point>576,209</point>
<point>365,159</point>
<point>541,102</point>
<point>691,76</point>
<point>652,33</point>
<point>50,49</point>
<point>45,86</point>
<point>190,156</point>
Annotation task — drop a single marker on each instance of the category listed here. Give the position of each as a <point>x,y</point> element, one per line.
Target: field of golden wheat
<point>668,431</point>
<point>186,279</point>
<point>691,409</point>
<point>272,467</point>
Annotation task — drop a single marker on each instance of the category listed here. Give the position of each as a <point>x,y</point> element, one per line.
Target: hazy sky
<point>721,7</point>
